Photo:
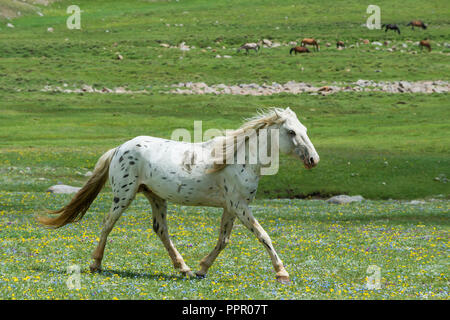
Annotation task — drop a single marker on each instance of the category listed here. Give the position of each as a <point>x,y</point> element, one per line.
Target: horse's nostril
<point>311,160</point>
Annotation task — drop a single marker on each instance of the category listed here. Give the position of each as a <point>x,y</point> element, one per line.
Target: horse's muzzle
<point>310,162</point>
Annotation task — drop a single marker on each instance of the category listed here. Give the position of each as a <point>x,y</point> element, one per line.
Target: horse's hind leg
<point>120,203</point>
<point>159,212</point>
<point>224,236</point>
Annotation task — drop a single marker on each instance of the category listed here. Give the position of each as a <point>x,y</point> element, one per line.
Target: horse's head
<point>294,140</point>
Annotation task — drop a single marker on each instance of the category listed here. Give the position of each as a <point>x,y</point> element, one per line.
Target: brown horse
<point>340,44</point>
<point>310,41</point>
<point>299,50</point>
<point>425,43</point>
<point>417,23</point>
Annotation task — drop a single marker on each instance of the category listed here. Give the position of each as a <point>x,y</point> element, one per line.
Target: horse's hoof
<point>284,279</point>
<point>188,274</point>
<point>200,276</point>
<point>95,269</point>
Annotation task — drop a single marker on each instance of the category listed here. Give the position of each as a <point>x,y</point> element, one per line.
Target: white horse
<point>249,46</point>
<point>192,174</point>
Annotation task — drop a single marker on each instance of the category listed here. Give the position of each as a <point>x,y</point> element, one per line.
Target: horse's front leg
<point>224,237</point>
<point>244,214</point>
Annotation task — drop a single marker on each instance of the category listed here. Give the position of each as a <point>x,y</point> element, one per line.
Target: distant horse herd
<point>340,44</point>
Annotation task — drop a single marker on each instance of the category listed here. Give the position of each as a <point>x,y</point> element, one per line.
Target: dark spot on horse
<point>131,162</point>
<point>120,159</point>
<point>226,188</point>
<point>138,145</point>
<point>126,152</point>
<point>155,225</point>
<point>268,247</point>
<point>116,199</point>
<point>125,175</point>
<point>124,186</point>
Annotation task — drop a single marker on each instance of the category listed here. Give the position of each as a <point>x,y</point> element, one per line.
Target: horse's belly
<point>186,195</point>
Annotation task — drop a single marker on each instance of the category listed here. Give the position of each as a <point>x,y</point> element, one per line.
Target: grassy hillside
<point>375,144</point>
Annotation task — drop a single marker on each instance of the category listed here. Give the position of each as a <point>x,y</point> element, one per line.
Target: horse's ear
<point>278,114</point>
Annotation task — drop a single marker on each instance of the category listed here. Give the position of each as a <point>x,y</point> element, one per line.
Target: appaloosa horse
<point>194,174</point>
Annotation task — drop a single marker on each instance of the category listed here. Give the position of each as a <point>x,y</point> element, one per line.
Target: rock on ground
<point>62,188</point>
<point>341,199</point>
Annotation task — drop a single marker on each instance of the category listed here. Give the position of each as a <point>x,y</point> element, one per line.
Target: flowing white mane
<point>227,146</point>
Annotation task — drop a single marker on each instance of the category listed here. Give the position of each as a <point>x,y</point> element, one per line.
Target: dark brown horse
<point>310,41</point>
<point>299,49</point>
<point>417,23</point>
<point>340,44</point>
<point>425,43</point>
<point>391,27</point>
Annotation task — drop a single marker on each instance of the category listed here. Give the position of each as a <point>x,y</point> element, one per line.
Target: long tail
<point>80,203</point>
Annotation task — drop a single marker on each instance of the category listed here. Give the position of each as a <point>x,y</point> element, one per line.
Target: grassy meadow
<point>389,148</point>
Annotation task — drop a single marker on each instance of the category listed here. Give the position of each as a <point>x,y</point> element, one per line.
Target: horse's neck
<point>262,153</point>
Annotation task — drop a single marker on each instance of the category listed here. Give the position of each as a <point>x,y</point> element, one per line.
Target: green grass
<point>378,145</point>
<point>32,57</point>
<point>68,132</point>
<point>326,249</point>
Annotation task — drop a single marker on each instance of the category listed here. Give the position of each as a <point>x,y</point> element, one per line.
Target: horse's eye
<point>292,132</point>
